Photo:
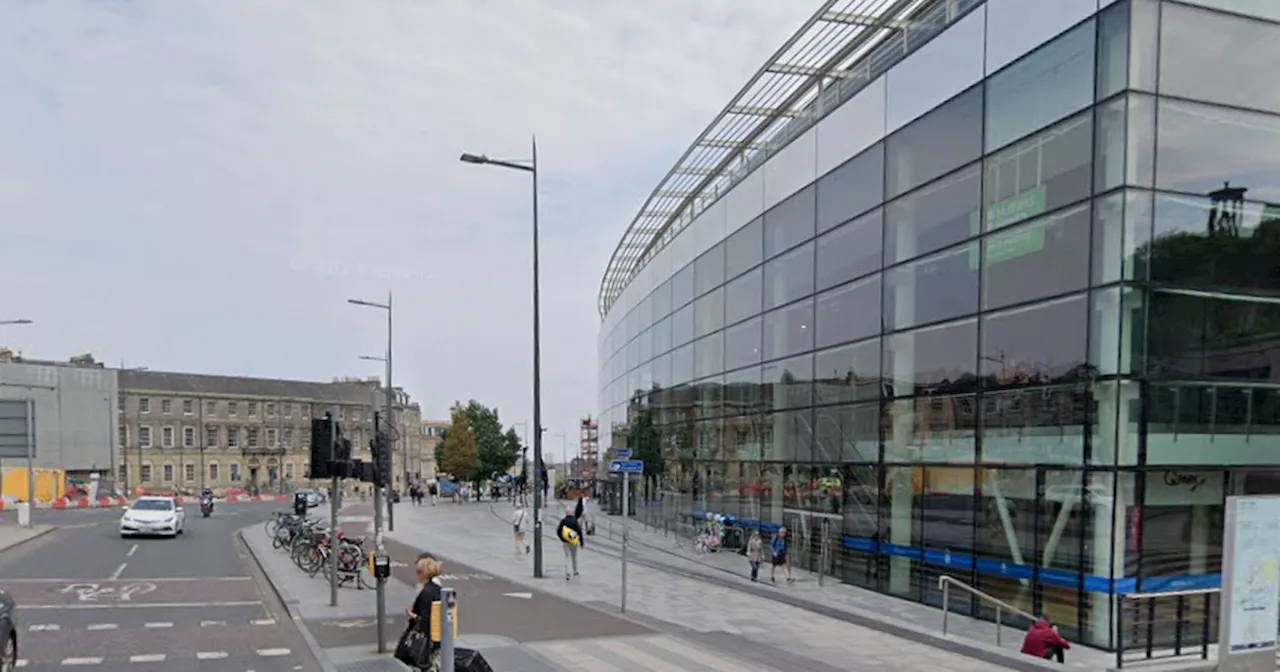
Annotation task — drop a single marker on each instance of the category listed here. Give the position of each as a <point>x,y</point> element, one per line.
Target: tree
<point>458,454</point>
<point>646,446</point>
<point>497,451</point>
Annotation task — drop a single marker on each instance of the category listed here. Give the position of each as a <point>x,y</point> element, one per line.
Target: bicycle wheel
<point>366,578</point>
<point>271,526</point>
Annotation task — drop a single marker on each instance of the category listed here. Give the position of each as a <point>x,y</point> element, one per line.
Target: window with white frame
<point>166,437</point>
<point>253,409</point>
<point>288,410</point>
<point>166,406</point>
<point>188,437</point>
<point>211,436</point>
<point>122,434</point>
<point>231,409</point>
<point>120,403</point>
<point>210,409</point>
<point>189,472</point>
<point>146,473</point>
<point>213,472</point>
<point>271,410</point>
<point>233,437</point>
<point>144,436</point>
<point>288,438</point>
<point>188,407</point>
<point>305,410</point>
<point>271,437</point>
<point>168,473</point>
<point>235,473</point>
<point>123,474</point>
<point>251,440</point>
<point>288,471</point>
<point>144,405</point>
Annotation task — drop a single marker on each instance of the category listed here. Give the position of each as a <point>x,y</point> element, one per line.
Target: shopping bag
<point>413,647</point>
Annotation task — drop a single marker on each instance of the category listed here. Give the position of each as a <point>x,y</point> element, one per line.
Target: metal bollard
<point>624,570</point>
<point>448,600</point>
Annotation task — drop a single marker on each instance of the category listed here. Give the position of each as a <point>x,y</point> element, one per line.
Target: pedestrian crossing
<point>650,653</point>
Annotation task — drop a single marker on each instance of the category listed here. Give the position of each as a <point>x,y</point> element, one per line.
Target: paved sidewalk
<point>12,534</point>
<point>722,618</point>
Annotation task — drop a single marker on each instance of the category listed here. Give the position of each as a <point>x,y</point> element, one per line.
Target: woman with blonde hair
<point>428,570</point>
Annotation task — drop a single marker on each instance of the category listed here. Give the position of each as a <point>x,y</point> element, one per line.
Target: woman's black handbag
<point>413,647</point>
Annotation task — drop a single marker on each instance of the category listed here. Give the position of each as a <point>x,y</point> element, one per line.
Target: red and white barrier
<point>116,502</point>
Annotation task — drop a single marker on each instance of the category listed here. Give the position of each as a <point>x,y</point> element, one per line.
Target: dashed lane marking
<point>147,605</point>
<point>273,652</point>
<point>81,661</point>
<point>264,621</point>
<point>210,655</point>
<point>131,551</point>
<point>103,626</point>
<point>119,570</point>
<point>148,658</point>
<point>45,627</point>
<point>159,625</point>
<point>213,624</point>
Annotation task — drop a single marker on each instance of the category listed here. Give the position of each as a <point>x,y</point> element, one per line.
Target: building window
<point>271,410</point>
<point>166,406</point>
<point>305,411</point>
<point>233,437</point>
<point>123,434</point>
<point>288,438</point>
<point>210,408</point>
<point>253,409</point>
<point>146,473</point>
<point>189,472</point>
<point>144,405</point>
<point>252,439</point>
<point>288,471</point>
<point>355,416</point>
<point>168,473</point>
<point>213,473</point>
<point>120,403</point>
<point>166,437</point>
<point>235,473</point>
<point>123,473</point>
<point>288,410</point>
<point>188,407</point>
<point>231,408</point>
<point>144,436</point>
<point>188,437</point>
<point>271,438</point>
<point>211,437</point>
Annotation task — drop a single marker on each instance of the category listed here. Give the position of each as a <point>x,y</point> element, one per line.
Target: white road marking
<point>45,628</point>
<point>212,624</point>
<point>103,626</point>
<point>81,661</point>
<point>191,579</point>
<point>523,596</point>
<point>151,605</point>
<point>264,621</point>
<point>148,658</point>
<point>159,625</point>
<point>131,551</point>
<point>273,652</point>
<point>210,655</point>
<point>119,570</point>
<point>22,662</point>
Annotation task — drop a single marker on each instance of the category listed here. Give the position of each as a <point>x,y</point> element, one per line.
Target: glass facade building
<point>1010,313</point>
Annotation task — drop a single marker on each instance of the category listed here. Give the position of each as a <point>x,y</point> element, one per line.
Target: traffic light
<point>381,446</point>
<point>321,446</point>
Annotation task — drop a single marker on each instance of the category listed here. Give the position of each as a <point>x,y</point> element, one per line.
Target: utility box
<point>24,514</point>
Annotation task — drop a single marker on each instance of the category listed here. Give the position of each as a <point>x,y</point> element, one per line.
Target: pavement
<point>88,598</point>
<point>694,622</point>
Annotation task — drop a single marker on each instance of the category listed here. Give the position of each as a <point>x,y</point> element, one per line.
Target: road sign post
<point>626,468</point>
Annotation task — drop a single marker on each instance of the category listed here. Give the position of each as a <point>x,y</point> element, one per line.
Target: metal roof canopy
<point>827,46</point>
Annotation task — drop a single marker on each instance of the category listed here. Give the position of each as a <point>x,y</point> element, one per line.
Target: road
<point>86,597</point>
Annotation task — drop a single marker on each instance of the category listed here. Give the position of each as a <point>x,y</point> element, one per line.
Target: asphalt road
<point>86,597</point>
<point>488,605</point>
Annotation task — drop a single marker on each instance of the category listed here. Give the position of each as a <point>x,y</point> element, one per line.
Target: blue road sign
<point>624,453</point>
<point>626,467</point>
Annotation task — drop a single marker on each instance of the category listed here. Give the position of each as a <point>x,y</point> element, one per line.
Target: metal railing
<point>945,583</point>
<point>1150,629</point>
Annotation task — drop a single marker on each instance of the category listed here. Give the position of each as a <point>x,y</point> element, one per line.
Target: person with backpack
<point>569,531</point>
<point>781,548</point>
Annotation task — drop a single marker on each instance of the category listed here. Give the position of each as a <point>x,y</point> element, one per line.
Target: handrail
<point>1181,619</point>
<point>944,584</point>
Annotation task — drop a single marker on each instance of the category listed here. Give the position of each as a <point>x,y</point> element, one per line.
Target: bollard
<point>448,599</point>
<point>624,570</point>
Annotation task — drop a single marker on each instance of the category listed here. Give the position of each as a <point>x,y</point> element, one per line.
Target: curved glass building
<point>988,289</point>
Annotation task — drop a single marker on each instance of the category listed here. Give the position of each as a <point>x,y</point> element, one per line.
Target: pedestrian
<point>517,522</point>
<point>1044,642</point>
<point>755,553</point>
<point>433,491</point>
<point>781,549</point>
<point>428,570</point>
<point>569,531</point>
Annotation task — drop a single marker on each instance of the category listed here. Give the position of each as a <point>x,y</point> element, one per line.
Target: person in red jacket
<point>1043,641</point>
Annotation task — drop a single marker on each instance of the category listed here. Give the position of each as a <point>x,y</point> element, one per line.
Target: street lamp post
<point>530,167</point>
<point>390,410</point>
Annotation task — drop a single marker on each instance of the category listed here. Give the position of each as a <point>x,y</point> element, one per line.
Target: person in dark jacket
<point>1043,641</point>
<point>429,570</point>
<point>569,532</point>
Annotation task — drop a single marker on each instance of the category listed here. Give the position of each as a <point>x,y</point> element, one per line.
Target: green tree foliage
<point>646,446</point>
<point>458,454</point>
<point>497,450</point>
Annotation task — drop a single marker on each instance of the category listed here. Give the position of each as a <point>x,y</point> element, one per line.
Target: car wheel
<point>9,658</point>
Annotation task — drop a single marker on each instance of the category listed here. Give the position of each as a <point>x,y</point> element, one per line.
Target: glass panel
<point>742,344</point>
<point>788,436</point>
<point>709,396</point>
<point>848,313</point>
<point>662,300</point>
<point>1036,345</point>
<point>1063,514</point>
<point>1243,50</point>
<point>1121,232</point>
<point>1006,536</point>
<point>1265,9</point>
<point>1216,242</point>
<point>681,365</point>
<point>1113,50</point>
<point>1039,423</point>
<point>848,373</point>
<point>933,360</point>
<point>901,530</point>
<point>788,383</point>
<point>859,562</point>
<point>744,249</point>
<point>851,251</point>
<point>1039,174</point>
<point>851,189</point>
<point>1200,148</point>
<point>935,144</point>
<point>1046,85</point>
<point>682,325</point>
<point>789,330</point>
<point>708,270</point>
<point>1040,258</point>
<point>682,286</point>
<point>934,428</point>
<point>743,394</point>
<point>1116,313</point>
<point>847,433</point>
<point>708,355</point>
<point>932,289</point>
<point>788,277</point>
<point>742,296</point>
<point>1125,142</point>
<point>709,313</point>
<point>936,216</point>
<point>790,222</point>
<point>1202,335</point>
<point>662,336</point>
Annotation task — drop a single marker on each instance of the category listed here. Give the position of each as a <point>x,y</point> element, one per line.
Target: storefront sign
<point>1190,480</point>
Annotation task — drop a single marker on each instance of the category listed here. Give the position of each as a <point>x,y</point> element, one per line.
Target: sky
<point>200,186</point>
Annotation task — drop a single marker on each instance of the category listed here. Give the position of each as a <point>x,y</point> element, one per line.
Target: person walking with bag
<point>415,647</point>
<point>755,553</point>
<point>517,522</point>
<point>569,531</point>
<point>781,548</point>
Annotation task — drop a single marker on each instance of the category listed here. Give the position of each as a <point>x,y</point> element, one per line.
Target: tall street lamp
<point>390,410</point>
<point>531,167</point>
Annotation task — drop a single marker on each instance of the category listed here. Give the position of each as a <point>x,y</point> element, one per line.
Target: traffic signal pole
<point>333,507</point>
<point>381,586</point>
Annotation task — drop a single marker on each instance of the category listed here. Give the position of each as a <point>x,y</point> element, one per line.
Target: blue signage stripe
<point>962,561</point>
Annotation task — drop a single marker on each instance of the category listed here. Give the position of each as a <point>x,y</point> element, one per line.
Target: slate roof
<point>195,384</point>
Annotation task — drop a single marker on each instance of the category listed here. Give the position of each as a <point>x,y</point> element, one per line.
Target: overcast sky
<point>200,185</point>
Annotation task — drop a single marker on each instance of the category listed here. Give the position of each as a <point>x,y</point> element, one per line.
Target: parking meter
<point>381,566</point>
<point>299,504</point>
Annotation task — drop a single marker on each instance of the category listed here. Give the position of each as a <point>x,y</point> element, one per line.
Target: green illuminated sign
<point>1016,208</point>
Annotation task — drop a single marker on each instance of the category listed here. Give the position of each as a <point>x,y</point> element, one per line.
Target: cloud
<point>200,185</point>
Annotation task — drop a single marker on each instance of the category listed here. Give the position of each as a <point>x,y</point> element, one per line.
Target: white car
<point>161,516</point>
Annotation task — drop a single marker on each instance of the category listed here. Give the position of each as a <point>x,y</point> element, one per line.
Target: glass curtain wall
<point>1030,340</point>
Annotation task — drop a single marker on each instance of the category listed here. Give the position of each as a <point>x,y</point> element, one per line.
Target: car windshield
<point>152,505</point>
